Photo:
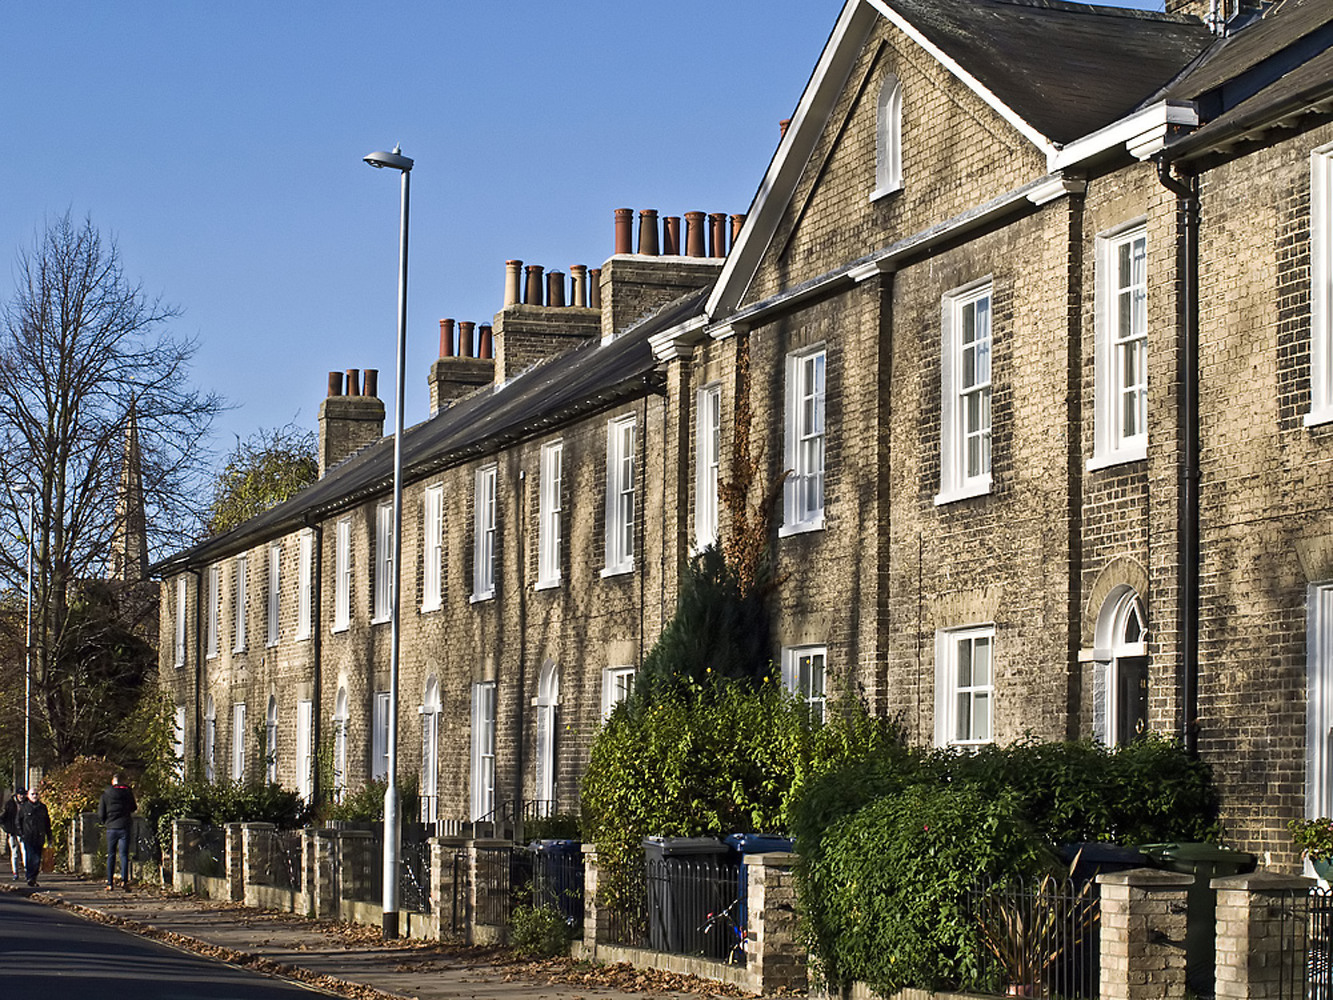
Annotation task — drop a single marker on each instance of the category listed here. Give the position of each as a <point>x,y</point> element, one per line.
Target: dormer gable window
<point>889,138</point>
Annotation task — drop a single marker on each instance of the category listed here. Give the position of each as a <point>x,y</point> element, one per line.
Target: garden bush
<point>222,802</point>
<point>865,865</point>
<point>73,789</point>
<point>884,901</point>
<point>539,931</point>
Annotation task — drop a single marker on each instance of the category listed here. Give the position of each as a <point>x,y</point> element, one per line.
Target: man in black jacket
<point>34,831</point>
<point>114,811</point>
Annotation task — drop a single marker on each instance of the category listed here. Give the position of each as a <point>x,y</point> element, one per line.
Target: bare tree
<point>83,352</point>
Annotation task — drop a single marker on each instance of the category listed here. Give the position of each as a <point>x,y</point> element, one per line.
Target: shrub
<point>884,901</point>
<point>73,789</point>
<point>730,759</point>
<point>366,804</point>
<point>218,803</point>
<point>539,931</point>
<point>1049,793</point>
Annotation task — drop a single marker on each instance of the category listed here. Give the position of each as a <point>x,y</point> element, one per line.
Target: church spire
<point>129,543</point>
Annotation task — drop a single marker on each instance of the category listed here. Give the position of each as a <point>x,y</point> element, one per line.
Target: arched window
<point>889,137</point>
<point>548,698</point>
<point>210,739</point>
<point>1120,701</point>
<point>430,751</point>
<point>271,741</point>
<point>340,745</point>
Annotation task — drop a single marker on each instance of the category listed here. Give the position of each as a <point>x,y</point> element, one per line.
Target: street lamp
<point>392,821</point>
<point>30,493</point>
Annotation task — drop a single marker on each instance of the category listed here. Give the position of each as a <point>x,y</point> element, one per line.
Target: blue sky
<point>221,144</point>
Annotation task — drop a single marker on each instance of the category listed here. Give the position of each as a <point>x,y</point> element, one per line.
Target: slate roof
<point>593,377</point>
<point>1067,69</point>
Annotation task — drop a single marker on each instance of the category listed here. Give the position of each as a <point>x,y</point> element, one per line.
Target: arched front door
<point>1121,700</point>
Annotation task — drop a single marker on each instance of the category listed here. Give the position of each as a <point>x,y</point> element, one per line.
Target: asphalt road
<point>47,954</point>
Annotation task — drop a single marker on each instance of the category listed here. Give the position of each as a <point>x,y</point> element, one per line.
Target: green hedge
<point>891,840</point>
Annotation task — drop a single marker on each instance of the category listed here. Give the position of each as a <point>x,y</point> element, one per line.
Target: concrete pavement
<point>352,960</point>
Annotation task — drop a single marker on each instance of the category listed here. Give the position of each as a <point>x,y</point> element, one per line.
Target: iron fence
<point>205,851</point>
<point>557,882</point>
<point>279,858</point>
<point>414,875</point>
<point>1039,940</point>
<point>685,906</point>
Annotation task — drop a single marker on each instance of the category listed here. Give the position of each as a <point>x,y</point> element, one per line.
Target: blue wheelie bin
<point>751,843</point>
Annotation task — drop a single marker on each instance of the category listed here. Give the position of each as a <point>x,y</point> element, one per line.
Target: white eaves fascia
<point>971,82</point>
<point>784,172</point>
<point>1143,133</point>
<point>678,341</point>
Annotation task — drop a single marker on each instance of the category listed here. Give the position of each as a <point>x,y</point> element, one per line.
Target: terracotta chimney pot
<point>354,381</point>
<point>648,232</point>
<point>594,288</point>
<point>335,383</point>
<point>486,349</point>
<point>532,293</point>
<point>717,234</point>
<point>694,234</point>
<point>446,338</point>
<point>465,331</point>
<point>555,288</point>
<point>578,276</point>
<point>624,230</point>
<point>671,236</point>
<point>372,382</point>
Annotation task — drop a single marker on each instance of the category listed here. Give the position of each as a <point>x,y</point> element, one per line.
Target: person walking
<point>114,810</point>
<point>9,823</point>
<point>34,831</point>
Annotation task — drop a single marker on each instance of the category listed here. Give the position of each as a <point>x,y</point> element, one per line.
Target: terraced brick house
<point>1032,308</point>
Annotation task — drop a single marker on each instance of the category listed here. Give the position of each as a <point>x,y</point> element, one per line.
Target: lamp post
<point>392,821</point>
<point>29,492</point>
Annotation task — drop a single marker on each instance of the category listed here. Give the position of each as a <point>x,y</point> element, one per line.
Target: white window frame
<point>949,692</point>
<point>1321,286</point>
<point>274,593</point>
<point>1319,701</point>
<point>804,441</point>
<point>1121,608</point>
<point>210,740</point>
<point>179,656</point>
<point>340,717</point>
<point>548,515</point>
<point>888,138</point>
<point>178,741</point>
<point>805,674</point>
<point>484,490</point>
<point>383,563</point>
<point>238,635</point>
<point>305,749</point>
<point>271,741</point>
<point>214,622</point>
<point>238,741</point>
<point>707,464</point>
<point>957,431</point>
<point>305,583</point>
<point>432,548</point>
<point>617,684</point>
<point>547,704</point>
<point>1116,346</point>
<point>342,575</point>
<point>621,435</point>
<point>483,749</point>
<point>379,728</point>
<point>430,711</point>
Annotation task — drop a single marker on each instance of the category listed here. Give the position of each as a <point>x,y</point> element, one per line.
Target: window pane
<point>981,717</point>
<point>965,663</point>
<point>981,662</point>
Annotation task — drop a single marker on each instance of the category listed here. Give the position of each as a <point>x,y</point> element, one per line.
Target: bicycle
<point>724,921</point>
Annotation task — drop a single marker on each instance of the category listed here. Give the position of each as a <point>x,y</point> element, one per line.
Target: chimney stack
<point>348,423</point>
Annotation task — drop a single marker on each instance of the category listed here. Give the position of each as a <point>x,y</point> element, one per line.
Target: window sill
<point>978,487</point>
<point>384,620</point>
<point>303,637</point>
<point>886,190</point>
<point>546,584</point>
<point>1316,418</point>
<point>239,652</point>
<point>478,598</point>
<point>428,608</point>
<point>1122,457</point>
<point>802,527</point>
<point>272,645</point>
<point>339,629</point>
<point>621,570</point>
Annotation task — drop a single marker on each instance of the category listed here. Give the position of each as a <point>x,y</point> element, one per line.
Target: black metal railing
<point>206,851</point>
<point>557,882</point>
<point>414,875</point>
<point>1040,939</point>
<point>1313,917</point>
<point>694,908</point>
<point>280,858</point>
<point>623,896</point>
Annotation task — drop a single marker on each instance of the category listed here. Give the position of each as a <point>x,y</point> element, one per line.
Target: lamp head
<point>396,159</point>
